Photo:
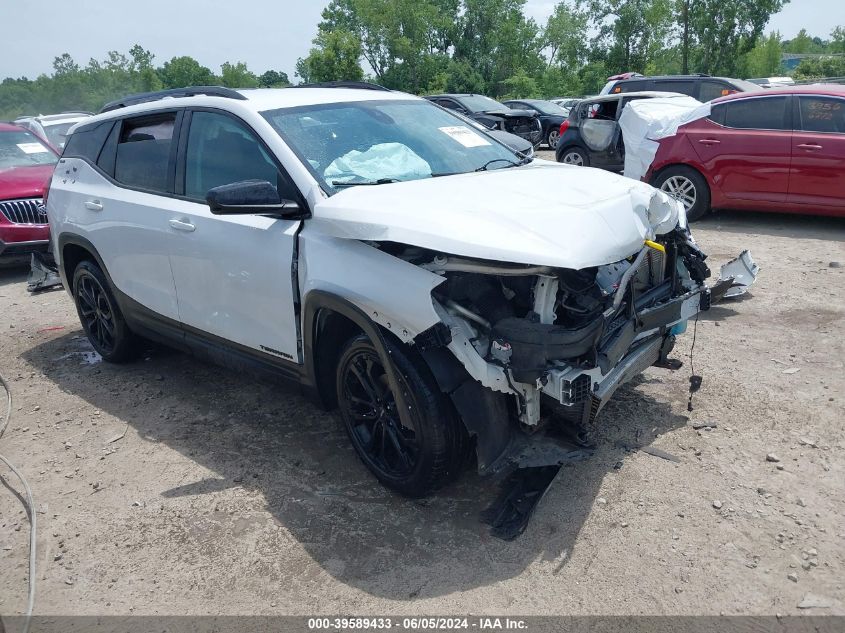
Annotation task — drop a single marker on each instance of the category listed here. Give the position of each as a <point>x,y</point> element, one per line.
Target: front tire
<point>689,187</point>
<point>100,315</point>
<point>575,156</point>
<point>553,137</point>
<point>414,458</point>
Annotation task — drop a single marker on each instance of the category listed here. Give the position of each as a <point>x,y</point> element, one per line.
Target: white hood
<point>544,214</point>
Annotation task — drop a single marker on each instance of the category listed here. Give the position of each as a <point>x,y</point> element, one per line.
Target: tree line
<point>87,88</point>
<point>481,46</point>
<point>491,47</point>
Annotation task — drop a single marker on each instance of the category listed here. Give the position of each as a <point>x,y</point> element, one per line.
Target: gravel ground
<point>169,486</point>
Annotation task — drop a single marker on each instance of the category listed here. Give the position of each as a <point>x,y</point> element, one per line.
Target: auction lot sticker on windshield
<point>32,148</point>
<point>464,135</point>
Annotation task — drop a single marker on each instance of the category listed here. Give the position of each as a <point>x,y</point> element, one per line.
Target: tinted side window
<point>87,143</point>
<point>448,103</point>
<point>143,152</point>
<point>630,86</point>
<point>822,114</point>
<point>717,114</point>
<point>221,151</point>
<point>713,90</point>
<point>684,87</point>
<point>766,113</point>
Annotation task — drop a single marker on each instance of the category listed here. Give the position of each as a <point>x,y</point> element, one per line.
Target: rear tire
<point>553,137</point>
<point>413,461</point>
<point>577,156</point>
<point>100,315</point>
<point>689,187</point>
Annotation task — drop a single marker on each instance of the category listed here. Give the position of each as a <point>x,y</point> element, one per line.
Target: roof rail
<point>362,85</point>
<point>190,91</point>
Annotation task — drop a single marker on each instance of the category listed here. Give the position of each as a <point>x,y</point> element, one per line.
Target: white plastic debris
<point>743,270</point>
<point>645,121</point>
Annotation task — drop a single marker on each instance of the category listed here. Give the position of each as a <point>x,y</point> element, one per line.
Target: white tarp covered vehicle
<point>644,122</point>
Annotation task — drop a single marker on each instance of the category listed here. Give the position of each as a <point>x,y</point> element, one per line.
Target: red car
<point>779,150</point>
<point>26,165</point>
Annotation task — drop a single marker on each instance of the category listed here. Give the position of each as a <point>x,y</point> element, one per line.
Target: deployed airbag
<point>598,133</point>
<point>384,160</point>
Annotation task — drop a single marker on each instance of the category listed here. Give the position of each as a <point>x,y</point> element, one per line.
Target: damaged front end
<point>543,345</point>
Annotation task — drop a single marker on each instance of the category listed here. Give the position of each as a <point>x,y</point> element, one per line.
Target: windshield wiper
<point>355,183</point>
<point>499,160</point>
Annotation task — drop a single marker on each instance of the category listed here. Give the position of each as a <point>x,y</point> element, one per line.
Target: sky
<point>266,34</point>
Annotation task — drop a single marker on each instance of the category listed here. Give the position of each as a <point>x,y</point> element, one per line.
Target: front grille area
<point>575,391</point>
<point>24,211</point>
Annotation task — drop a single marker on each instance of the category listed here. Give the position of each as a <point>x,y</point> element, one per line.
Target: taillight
<point>564,126</point>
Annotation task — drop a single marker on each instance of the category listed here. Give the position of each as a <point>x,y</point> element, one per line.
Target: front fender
<point>389,291</point>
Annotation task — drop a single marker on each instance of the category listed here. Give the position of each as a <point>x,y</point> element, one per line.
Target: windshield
<point>373,142</point>
<point>19,148</point>
<point>480,103</point>
<point>57,134</point>
<point>547,107</point>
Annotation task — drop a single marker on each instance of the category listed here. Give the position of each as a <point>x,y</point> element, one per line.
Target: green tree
<point>802,44</point>
<point>564,38</point>
<point>764,59</point>
<point>715,35</point>
<point>335,57</point>
<point>837,40</point>
<point>631,31</point>
<point>820,67</point>
<point>273,79</point>
<point>185,71</point>
<point>237,75</point>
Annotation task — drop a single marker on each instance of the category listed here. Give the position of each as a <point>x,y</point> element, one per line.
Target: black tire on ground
<point>100,315</point>
<point>687,185</point>
<point>575,155</point>
<point>413,461</point>
<point>553,137</point>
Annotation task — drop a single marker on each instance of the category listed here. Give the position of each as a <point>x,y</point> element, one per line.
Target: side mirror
<point>252,197</point>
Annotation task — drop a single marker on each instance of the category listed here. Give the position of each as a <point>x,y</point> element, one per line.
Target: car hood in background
<point>510,114</point>
<point>543,213</point>
<point>24,182</point>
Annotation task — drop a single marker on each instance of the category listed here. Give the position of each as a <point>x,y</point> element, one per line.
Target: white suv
<point>446,294</point>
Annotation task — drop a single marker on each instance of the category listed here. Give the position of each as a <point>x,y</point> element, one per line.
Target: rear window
<point>768,113</point>
<point>87,143</point>
<point>713,90</point>
<point>822,114</point>
<point>19,148</point>
<point>143,152</point>
<point>668,85</point>
<point>632,85</point>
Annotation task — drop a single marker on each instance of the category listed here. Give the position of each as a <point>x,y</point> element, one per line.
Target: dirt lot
<point>229,496</point>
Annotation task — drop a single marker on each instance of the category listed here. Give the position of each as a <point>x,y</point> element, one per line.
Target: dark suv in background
<point>493,115</point>
<point>591,136</point>
<point>701,87</point>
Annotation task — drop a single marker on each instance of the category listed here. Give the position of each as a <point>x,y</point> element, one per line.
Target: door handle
<point>179,225</point>
<point>709,141</point>
<point>94,205</point>
<point>809,146</point>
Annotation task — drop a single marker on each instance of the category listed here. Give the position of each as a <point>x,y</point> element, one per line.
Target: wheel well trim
<point>317,301</point>
<point>72,239</point>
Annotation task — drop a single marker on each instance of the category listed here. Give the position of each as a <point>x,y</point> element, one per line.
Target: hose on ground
<point>31,508</point>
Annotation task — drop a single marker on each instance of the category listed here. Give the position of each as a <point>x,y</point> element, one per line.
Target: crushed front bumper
<point>641,341</point>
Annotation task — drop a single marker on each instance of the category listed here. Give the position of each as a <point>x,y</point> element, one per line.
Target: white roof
<point>261,99</point>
